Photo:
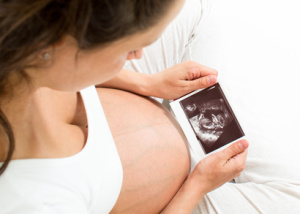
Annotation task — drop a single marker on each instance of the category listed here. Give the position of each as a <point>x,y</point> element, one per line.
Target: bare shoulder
<point>152,149</point>
<point>54,121</point>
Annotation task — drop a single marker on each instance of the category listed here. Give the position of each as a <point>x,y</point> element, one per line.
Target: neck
<point>20,110</point>
<point>36,119</point>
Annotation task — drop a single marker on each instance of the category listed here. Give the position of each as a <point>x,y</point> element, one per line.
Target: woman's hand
<point>209,174</point>
<point>170,84</point>
<point>181,79</point>
<point>221,167</point>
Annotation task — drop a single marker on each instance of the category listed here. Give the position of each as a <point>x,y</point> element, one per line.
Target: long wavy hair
<point>29,26</point>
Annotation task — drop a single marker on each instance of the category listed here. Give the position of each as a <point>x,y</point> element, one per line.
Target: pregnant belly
<point>152,149</point>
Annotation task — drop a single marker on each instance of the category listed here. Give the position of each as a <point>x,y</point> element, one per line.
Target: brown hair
<point>29,26</point>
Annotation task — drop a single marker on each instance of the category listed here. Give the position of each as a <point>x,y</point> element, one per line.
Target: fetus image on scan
<point>211,118</point>
<point>209,124</point>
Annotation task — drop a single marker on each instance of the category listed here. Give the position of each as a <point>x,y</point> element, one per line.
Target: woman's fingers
<point>196,70</point>
<point>181,79</point>
<point>202,82</point>
<point>234,157</point>
<point>235,149</point>
<point>198,76</point>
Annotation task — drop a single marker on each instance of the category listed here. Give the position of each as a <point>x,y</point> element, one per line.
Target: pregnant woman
<point>57,152</point>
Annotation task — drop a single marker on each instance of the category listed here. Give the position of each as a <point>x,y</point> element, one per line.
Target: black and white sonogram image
<point>211,118</point>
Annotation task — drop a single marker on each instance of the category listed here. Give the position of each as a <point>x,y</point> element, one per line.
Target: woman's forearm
<point>210,173</point>
<point>169,84</point>
<point>138,83</point>
<point>187,197</point>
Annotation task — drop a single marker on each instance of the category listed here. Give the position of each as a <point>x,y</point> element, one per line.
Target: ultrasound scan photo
<point>211,118</point>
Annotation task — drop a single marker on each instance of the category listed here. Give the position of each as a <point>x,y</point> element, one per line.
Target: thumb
<point>202,82</point>
<point>235,149</point>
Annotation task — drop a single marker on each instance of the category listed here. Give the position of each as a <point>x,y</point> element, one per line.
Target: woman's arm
<point>210,173</point>
<point>169,84</point>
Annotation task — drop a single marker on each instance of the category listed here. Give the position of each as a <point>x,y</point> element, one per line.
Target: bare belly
<point>152,149</point>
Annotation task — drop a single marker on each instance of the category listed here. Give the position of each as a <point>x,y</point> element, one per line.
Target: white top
<point>88,182</point>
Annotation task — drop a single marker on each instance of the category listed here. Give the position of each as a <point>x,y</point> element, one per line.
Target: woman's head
<point>28,27</point>
<point>82,42</point>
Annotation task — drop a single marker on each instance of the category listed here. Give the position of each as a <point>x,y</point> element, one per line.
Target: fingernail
<point>242,145</point>
<point>209,80</point>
